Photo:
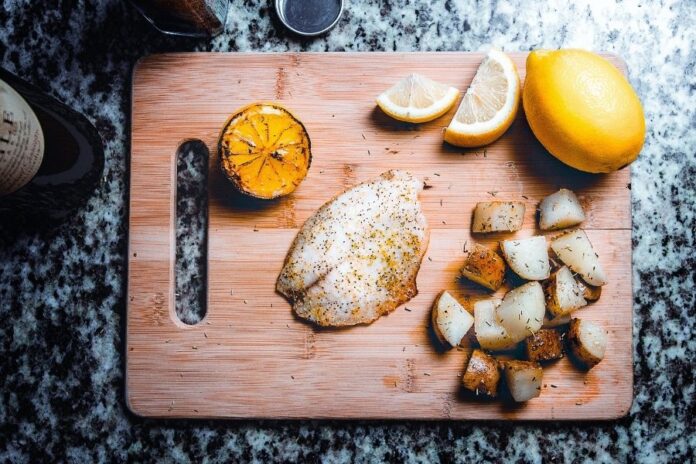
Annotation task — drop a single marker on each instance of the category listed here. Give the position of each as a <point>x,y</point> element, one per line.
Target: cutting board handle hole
<point>191,231</point>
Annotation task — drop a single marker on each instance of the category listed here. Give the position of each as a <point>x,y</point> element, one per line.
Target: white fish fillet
<point>358,256</point>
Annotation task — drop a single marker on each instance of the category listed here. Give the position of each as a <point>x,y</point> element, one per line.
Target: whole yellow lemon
<point>583,110</point>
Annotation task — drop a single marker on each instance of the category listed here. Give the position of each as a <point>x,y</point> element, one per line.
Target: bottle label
<point>21,141</point>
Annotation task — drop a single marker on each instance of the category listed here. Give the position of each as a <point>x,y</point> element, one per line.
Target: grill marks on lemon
<point>265,151</point>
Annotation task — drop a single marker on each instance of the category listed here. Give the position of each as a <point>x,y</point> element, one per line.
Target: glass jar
<point>191,18</point>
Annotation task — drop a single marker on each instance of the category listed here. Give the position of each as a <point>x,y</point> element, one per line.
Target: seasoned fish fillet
<point>358,256</point>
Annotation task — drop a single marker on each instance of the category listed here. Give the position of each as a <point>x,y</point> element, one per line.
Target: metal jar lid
<point>309,17</point>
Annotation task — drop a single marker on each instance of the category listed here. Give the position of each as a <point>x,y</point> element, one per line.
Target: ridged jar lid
<point>309,17</point>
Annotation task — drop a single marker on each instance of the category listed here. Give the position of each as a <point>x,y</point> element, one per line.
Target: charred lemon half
<point>265,151</point>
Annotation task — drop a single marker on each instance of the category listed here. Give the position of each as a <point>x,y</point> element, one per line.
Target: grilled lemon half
<point>265,151</point>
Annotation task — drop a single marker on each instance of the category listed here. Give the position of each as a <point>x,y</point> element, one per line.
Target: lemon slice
<point>264,150</point>
<point>416,98</point>
<point>489,105</point>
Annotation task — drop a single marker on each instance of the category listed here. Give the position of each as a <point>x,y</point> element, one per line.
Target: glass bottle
<point>51,157</point>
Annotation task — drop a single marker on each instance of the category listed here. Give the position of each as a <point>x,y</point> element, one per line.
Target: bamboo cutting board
<point>250,357</point>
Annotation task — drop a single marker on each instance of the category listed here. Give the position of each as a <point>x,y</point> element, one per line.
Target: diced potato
<point>523,379</point>
<point>587,342</point>
<point>555,263</point>
<point>522,311</point>
<point>482,374</point>
<point>485,267</point>
<point>498,216</point>
<point>589,292</point>
<point>490,335</point>
<point>563,294</point>
<point>556,321</point>
<point>450,320</point>
<point>544,345</point>
<point>575,250</point>
<point>559,210</point>
<point>528,257</point>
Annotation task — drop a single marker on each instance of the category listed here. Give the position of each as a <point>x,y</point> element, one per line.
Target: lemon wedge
<point>416,98</point>
<point>489,105</point>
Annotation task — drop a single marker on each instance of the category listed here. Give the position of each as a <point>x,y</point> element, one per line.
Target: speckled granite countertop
<point>62,290</point>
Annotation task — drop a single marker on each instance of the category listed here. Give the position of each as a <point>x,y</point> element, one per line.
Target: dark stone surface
<point>62,290</point>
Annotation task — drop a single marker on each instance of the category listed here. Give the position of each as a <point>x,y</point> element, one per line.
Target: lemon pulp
<point>489,105</point>
<point>417,99</point>
<point>265,151</point>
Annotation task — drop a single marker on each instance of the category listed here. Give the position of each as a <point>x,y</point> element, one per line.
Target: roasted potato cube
<point>556,321</point>
<point>559,210</point>
<point>484,266</point>
<point>522,311</point>
<point>498,216</point>
<point>528,257</point>
<point>450,320</point>
<point>489,333</point>
<point>544,345</point>
<point>482,374</point>
<point>587,342</point>
<point>562,292</point>
<point>575,250</point>
<point>589,292</point>
<point>523,379</point>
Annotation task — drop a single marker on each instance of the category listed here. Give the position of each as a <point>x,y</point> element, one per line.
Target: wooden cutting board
<point>250,357</point>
